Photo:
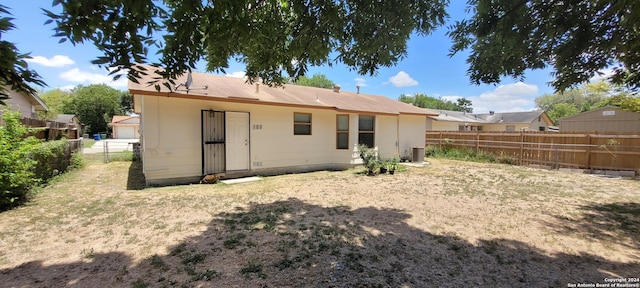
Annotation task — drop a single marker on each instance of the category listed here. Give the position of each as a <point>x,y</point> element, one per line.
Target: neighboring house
<point>239,129</point>
<point>125,127</point>
<point>511,121</point>
<point>606,119</point>
<point>72,125</point>
<point>26,104</point>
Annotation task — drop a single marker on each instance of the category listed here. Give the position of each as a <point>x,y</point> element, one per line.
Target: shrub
<point>369,158</point>
<point>26,161</point>
<point>16,174</point>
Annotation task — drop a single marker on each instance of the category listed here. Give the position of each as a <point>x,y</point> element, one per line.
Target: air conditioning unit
<point>418,155</point>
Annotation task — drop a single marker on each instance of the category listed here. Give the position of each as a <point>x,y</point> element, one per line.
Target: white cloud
<point>67,88</point>
<point>605,74</point>
<point>55,61</point>
<point>360,82</point>
<point>514,97</point>
<point>237,74</point>
<point>452,98</point>
<point>83,77</point>
<point>402,79</point>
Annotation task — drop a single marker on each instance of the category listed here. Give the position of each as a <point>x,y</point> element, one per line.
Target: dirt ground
<point>448,224</point>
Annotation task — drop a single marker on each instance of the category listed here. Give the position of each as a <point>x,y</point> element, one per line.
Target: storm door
<point>213,142</point>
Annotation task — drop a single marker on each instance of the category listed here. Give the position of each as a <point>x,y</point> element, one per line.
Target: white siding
<point>171,142</point>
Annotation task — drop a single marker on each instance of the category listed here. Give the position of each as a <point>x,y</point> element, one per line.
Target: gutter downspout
<point>398,135</point>
<point>142,142</point>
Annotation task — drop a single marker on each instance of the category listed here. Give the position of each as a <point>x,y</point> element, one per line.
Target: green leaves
<point>14,70</point>
<point>95,105</point>
<point>272,38</point>
<point>425,101</point>
<point>576,38</point>
<point>318,80</point>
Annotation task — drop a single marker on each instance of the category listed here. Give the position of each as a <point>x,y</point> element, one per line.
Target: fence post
<point>589,151</point>
<point>555,150</point>
<point>105,151</point>
<point>477,141</point>
<point>521,147</point>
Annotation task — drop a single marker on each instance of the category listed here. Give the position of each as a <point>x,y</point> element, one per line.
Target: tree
<point>561,110</point>
<point>465,104</point>
<point>14,70</point>
<point>587,97</point>
<point>94,106</point>
<point>270,37</point>
<point>577,38</point>
<point>425,101</point>
<point>318,80</point>
<point>624,101</point>
<point>55,99</point>
<point>126,103</point>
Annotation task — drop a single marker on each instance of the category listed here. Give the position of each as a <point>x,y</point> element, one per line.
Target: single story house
<point>609,119</point>
<point>510,121</point>
<point>26,104</point>
<point>125,127</point>
<point>221,125</point>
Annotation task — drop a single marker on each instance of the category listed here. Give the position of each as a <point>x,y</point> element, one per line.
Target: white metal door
<point>237,140</point>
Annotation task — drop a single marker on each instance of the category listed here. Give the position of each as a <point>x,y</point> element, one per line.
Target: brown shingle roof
<point>221,88</point>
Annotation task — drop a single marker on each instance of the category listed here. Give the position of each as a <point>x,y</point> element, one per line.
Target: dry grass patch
<point>450,224</point>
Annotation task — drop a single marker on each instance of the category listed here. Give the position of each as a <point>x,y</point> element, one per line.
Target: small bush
<point>370,159</point>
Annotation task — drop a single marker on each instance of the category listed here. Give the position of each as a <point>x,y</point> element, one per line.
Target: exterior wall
<point>536,124</point>
<point>601,120</point>
<point>20,102</point>
<point>435,125</point>
<point>386,138</point>
<point>171,142</point>
<point>412,129</point>
<point>503,127</point>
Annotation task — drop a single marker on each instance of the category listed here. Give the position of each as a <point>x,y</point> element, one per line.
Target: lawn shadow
<point>612,222</point>
<point>135,177</point>
<point>292,243</point>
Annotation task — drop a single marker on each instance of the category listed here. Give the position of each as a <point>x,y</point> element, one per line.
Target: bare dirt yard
<point>449,224</point>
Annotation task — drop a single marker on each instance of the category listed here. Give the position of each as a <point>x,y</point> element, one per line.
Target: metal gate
<point>213,142</point>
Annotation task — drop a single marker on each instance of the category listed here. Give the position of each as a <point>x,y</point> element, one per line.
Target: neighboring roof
<point>65,118</point>
<point>512,117</point>
<point>610,107</point>
<point>38,103</point>
<point>488,118</point>
<point>221,88</point>
<point>456,116</point>
<point>117,119</point>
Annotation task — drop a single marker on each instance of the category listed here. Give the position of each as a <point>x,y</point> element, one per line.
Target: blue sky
<point>426,69</point>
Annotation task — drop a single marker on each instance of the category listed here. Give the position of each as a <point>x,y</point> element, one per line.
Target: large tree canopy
<point>426,101</point>
<point>577,38</point>
<point>95,105</point>
<point>271,37</point>
<point>317,80</point>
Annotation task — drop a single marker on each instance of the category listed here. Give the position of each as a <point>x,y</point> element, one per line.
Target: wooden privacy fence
<point>554,150</point>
